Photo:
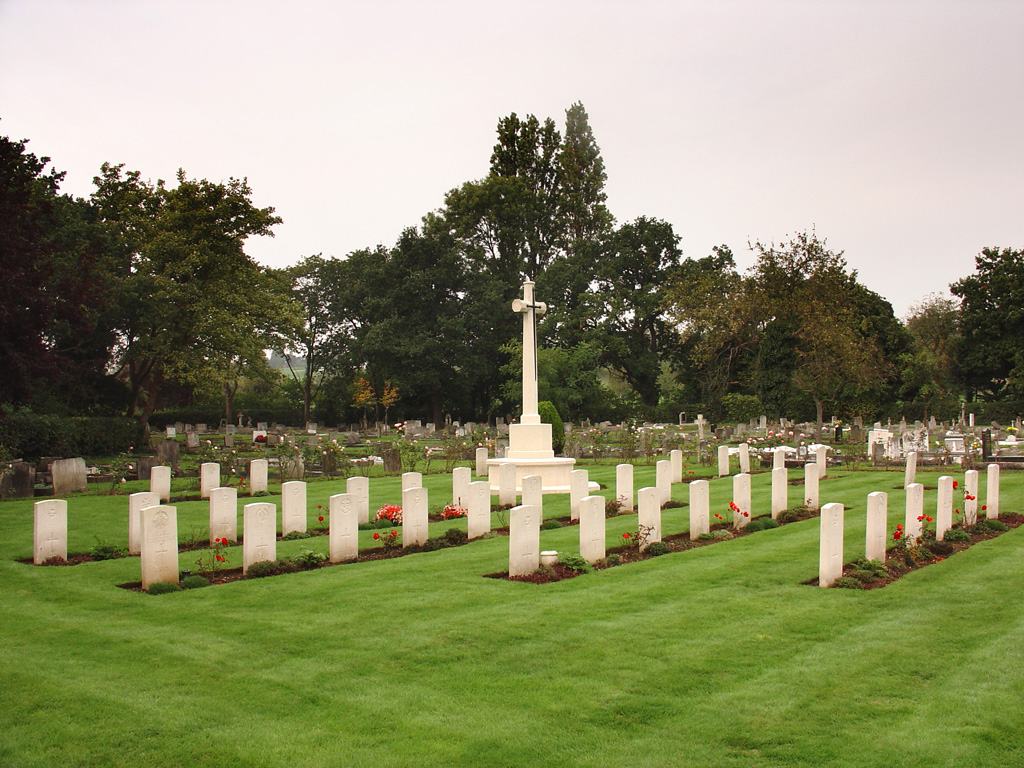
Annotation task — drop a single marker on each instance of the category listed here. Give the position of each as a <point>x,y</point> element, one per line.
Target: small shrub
<point>657,549</point>
<point>762,524</point>
<point>549,415</point>
<point>490,535</point>
<point>295,536</point>
<point>308,559</point>
<point>104,550</point>
<point>864,577</point>
<point>673,504</point>
<point>286,565</point>
<point>194,582</point>
<point>788,516</point>
<point>435,543</point>
<point>941,548</point>
<point>706,536</point>
<point>993,525</point>
<point>456,537</point>
<point>956,534</point>
<point>612,507</point>
<point>367,526</point>
<point>575,563</point>
<point>261,569</point>
<point>261,493</point>
<point>162,588</point>
<point>846,582</point>
<point>613,560</point>
<point>874,566</point>
<point>548,525</point>
<point>722,534</point>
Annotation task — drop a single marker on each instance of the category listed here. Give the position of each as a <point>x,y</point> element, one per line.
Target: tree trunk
<point>437,401</point>
<point>229,400</point>
<point>819,407</point>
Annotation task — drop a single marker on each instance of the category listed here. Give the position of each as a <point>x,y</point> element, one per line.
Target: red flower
<point>625,535</point>
<point>376,535</point>
<point>319,506</point>
<point>321,518</point>
<point>746,514</point>
<point>897,535</point>
<point>956,484</point>
<point>984,507</point>
<point>929,518</point>
<point>899,527</point>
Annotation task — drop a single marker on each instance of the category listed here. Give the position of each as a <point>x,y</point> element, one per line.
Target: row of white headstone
<point>830,563</point>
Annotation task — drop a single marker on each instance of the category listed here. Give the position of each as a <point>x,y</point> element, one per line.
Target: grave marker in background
<point>343,538</point>
<point>209,478</point>
<point>259,534</point>
<point>159,556</point>
<point>523,541</point>
<point>160,482</point>
<point>414,516</point>
<point>224,514</point>
<point>293,507</point>
<point>359,487</point>
<point>624,486</point>
<point>700,508</point>
<point>136,503</point>
<point>478,511</point>
<point>878,519</point>
<point>649,514</point>
<point>592,529</point>
<point>49,530</point>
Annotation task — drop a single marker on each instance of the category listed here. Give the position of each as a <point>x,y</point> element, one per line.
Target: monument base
<point>554,473</point>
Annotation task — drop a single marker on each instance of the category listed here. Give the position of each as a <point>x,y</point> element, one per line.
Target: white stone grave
<point>160,482</point>
<point>992,492</point>
<point>68,476</point>
<point>523,541</point>
<point>136,503</point>
<point>944,507</point>
<point>478,509</point>
<point>811,497</point>
<point>359,487</point>
<point>170,433</point>
<point>780,491</point>
<point>414,517</point>
<point>830,560</point>
<point>624,486</point>
<point>723,460</point>
<point>910,474</point>
<point>533,493</point>
<point>259,534</point>
<point>744,450</point>
<point>481,462</point>
<point>700,508</point>
<point>159,556</point>
<point>663,480</point>
<point>821,457</point>
<point>49,530</point>
<point>592,529</point>
<point>506,483</point>
<point>877,522</point>
<point>675,457</point>
<point>224,514</point>
<point>412,480</point>
<point>579,485</point>
<point>259,472</point>
<point>971,490</point>
<point>461,478</point>
<point>778,458</point>
<point>649,514</point>
<point>741,498</point>
<point>915,508</point>
<point>209,478</point>
<point>343,544</point>
<point>293,507</point>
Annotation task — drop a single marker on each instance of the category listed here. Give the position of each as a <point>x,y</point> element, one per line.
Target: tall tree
<point>929,368</point>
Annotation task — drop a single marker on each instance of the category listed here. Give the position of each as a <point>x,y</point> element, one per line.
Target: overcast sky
<point>895,129</point>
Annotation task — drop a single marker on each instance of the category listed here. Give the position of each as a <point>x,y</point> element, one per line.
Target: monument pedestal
<point>530,451</point>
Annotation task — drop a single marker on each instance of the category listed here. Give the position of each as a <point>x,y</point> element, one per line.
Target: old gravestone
<point>481,462</point>
<point>592,529</point>
<point>830,560</point>
<point>160,482</point>
<point>624,486</point>
<point>523,541</point>
<point>506,484</point>
<point>944,507</point>
<point>992,492</point>
<point>136,503</point>
<point>412,480</point>
<point>649,515</point>
<point>167,453</point>
<point>811,474</point>
<point>224,514</point>
<point>915,508</point>
<point>533,493</point>
<point>971,496</point>
<point>49,530</point>
<point>478,511</point>
<point>579,487</point>
<point>700,508</point>
<point>259,534</point>
<point>209,478</point>
<point>159,555</point>
<point>414,517</point>
<point>663,481</point>
<point>293,507</point>
<point>741,498</point>
<point>461,478</point>
<point>876,535</point>
<point>259,472</point>
<point>359,487</point>
<point>343,544</point>
<point>676,459</point>
<point>780,491</point>
<point>744,450</point>
<point>68,476</point>
<point>723,460</point>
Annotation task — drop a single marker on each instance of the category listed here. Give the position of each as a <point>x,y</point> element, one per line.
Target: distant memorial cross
<point>530,310</point>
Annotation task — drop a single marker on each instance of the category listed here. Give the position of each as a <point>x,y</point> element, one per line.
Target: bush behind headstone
<point>30,435</point>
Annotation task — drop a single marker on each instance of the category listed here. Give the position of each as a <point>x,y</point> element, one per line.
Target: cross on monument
<point>530,310</point>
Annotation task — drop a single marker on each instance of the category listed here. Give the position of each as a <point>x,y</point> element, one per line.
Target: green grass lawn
<point>714,657</point>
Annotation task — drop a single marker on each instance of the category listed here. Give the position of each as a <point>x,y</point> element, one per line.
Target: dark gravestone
<point>839,434</point>
<point>167,454</point>
<point>24,484</point>
<point>145,464</point>
<point>392,460</point>
<point>986,445</point>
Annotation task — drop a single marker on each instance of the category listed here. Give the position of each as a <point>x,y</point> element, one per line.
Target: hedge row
<point>28,435</point>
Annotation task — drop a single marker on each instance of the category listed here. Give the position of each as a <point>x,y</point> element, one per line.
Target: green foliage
<point>261,569</point>
<point>456,537</point>
<point>576,563</point>
<point>612,507</point>
<point>788,516</point>
<point>706,536</point>
<point>549,415</point>
<point>548,525</point>
<point>940,548</point>
<point>657,549</point>
<point>105,550</point>
<point>195,582</point>
<point>722,533</point>
<point>993,525</point>
<point>295,535</point>
<point>847,582</point>
<point>872,566</point>
<point>307,559</point>
<point>613,559</point>
<point>435,543</point>
<point>864,577</point>
<point>762,524</point>
<point>673,504</point>
<point>741,408</point>
<point>30,435</point>
<point>162,588</point>
<point>956,534</point>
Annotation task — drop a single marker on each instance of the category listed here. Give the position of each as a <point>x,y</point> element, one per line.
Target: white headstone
<point>821,457</point>
<point>624,486</point>
<point>579,487</point>
<point>877,522</point>
<point>224,514</point>
<point>160,482</point>
<point>830,561</point>
<point>700,508</point>
<point>910,474</point>
<point>778,459</point>
<point>481,462</point>
<point>461,478</point>
<point>412,480</point>
<point>780,491</point>
<point>592,529</point>
<point>723,460</point>
<point>136,503</point>
<point>915,508</point>
<point>992,493</point>
<point>258,476</point>
<point>49,530</point>
<point>414,517</point>
<point>343,544</point>
<point>971,496</point>
<point>676,459</point>
<point>944,507</point>
<point>523,541</point>
<point>209,478</point>
<point>259,534</point>
<point>533,493</point>
<point>293,507</point>
<point>359,487</point>
<point>171,433</point>
<point>663,480</point>
<point>478,510</point>
<point>745,458</point>
<point>506,484</point>
<point>649,514</point>
<point>159,555</point>
<point>811,498</point>
<point>741,498</point>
